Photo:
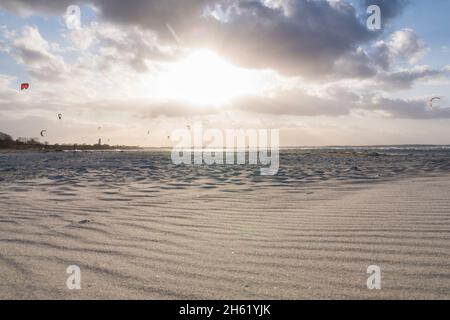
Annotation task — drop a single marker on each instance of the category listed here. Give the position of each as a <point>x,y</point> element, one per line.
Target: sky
<point>131,72</point>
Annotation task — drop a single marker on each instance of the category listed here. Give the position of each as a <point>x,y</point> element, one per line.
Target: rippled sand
<point>230,236</point>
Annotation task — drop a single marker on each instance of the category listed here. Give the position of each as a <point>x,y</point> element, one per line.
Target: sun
<point>204,78</point>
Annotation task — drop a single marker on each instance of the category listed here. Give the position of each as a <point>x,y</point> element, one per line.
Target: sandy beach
<point>303,241</point>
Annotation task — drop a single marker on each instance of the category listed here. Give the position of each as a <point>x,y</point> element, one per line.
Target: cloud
<point>298,102</point>
<point>29,7</point>
<point>405,79</point>
<point>7,94</point>
<point>295,37</point>
<point>400,47</point>
<point>147,14</point>
<point>33,52</point>
<point>153,14</point>
<point>127,45</point>
<point>407,108</point>
<point>406,45</point>
<point>339,101</point>
<point>357,64</point>
<point>300,38</point>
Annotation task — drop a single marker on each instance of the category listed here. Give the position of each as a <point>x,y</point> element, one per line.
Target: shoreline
<point>68,149</point>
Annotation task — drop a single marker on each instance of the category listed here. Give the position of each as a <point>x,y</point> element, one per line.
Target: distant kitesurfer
<point>432,100</point>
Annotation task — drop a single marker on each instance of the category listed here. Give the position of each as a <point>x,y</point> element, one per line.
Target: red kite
<point>24,86</point>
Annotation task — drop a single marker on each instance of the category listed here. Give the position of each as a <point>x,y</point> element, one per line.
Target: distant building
<point>100,142</point>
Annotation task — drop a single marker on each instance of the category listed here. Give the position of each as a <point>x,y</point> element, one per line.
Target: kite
<point>430,103</point>
<point>59,116</point>
<point>43,132</point>
<point>24,86</point>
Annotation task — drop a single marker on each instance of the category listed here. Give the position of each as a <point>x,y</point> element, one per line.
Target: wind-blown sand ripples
<point>139,227</point>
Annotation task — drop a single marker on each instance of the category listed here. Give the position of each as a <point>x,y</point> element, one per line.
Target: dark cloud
<point>302,38</point>
<point>153,14</point>
<point>408,109</point>
<point>357,64</point>
<point>405,79</point>
<point>147,14</point>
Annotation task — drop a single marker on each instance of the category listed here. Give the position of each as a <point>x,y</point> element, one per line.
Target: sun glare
<point>204,78</point>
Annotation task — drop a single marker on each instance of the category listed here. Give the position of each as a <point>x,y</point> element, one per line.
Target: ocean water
<point>154,167</point>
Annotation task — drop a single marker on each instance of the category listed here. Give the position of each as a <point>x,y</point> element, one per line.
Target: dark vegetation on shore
<point>8,143</point>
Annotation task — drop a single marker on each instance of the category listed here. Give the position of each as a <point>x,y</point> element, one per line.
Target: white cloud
<point>33,52</point>
<point>406,45</point>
